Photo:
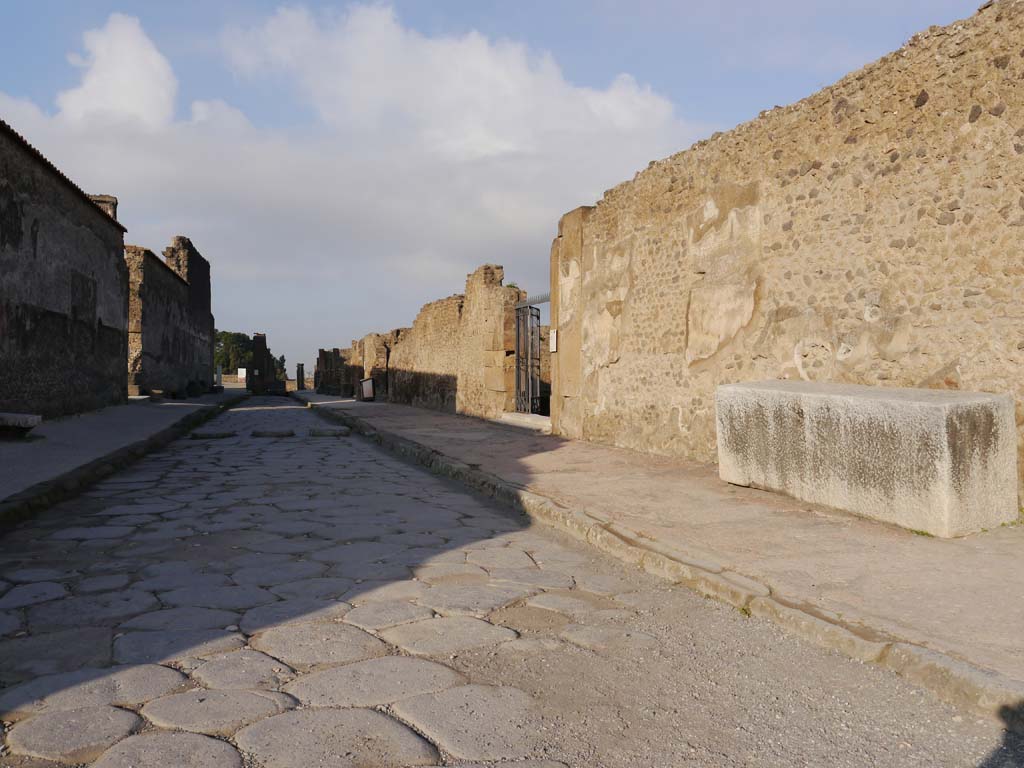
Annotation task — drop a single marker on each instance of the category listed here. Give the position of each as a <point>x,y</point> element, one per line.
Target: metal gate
<point>528,354</point>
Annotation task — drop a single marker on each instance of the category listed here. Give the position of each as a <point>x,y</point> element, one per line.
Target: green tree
<point>232,350</point>
<point>279,367</point>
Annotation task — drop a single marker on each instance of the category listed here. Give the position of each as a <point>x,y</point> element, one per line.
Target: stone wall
<point>870,233</point>
<point>170,327</point>
<point>63,290</point>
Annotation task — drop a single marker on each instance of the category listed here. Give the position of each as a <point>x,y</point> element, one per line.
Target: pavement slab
<point>72,735</point>
<point>386,613</point>
<point>243,670</point>
<point>309,644</point>
<point>155,647</point>
<point>373,682</point>
<point>341,738</point>
<point>161,749</point>
<point>216,712</point>
<point>442,636</point>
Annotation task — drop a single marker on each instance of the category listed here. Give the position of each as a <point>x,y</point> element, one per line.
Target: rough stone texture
<point>72,736</point>
<point>437,637</point>
<point>64,293</point>
<point>347,738</point>
<point>243,670</point>
<point>161,750</point>
<point>473,722</point>
<point>215,713</point>
<point>312,644</point>
<point>169,645</point>
<point>373,682</point>
<point>857,236</point>
<point>933,461</point>
<point>170,327</point>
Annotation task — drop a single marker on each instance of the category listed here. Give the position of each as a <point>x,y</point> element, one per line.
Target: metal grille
<point>527,359</point>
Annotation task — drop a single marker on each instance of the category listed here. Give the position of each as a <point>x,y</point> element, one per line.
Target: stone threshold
<point>965,685</point>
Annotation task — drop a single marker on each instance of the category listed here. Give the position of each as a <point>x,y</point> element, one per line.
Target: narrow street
<point>303,600</point>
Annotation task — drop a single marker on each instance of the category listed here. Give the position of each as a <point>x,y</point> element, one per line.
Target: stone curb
<point>24,504</point>
<point>952,680</point>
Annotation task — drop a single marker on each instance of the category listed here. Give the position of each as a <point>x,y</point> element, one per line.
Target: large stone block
<point>938,461</point>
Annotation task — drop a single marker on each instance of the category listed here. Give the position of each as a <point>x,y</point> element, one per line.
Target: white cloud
<point>424,157</point>
<point>125,77</point>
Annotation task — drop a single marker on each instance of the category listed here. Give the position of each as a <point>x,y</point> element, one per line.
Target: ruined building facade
<point>171,327</point>
<point>63,289</point>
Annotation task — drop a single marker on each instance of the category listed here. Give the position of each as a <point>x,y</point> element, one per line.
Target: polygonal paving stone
<point>316,589</point>
<point>227,598</point>
<point>53,652</point>
<point>533,577</point>
<point>166,576</point>
<point>340,738</point>
<point>370,591</point>
<point>9,623</point>
<point>437,637</point>
<point>387,613</point>
<point>607,638</point>
<point>452,573</point>
<point>126,686</point>
<point>31,594</point>
<point>102,583</point>
<point>283,573</point>
<point>472,600</point>
<point>374,682</point>
<point>243,670</point>
<point>601,584</point>
<point>182,618</point>
<point>567,604</point>
<point>500,558</point>
<point>94,610</point>
<point>359,552</point>
<point>215,713</point>
<point>291,612</point>
<point>170,645</point>
<point>388,571</point>
<point>146,508</point>
<point>474,722</point>
<point>93,533</point>
<point>299,545</point>
<point>163,750</point>
<point>311,644</point>
<point>28,575</point>
<point>74,735</point>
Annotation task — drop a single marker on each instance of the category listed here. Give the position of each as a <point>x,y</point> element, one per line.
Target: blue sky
<point>341,164</point>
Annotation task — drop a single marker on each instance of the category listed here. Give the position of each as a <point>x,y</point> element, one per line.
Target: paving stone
<point>92,533</point>
<point>93,610</point>
<point>31,594</point>
<point>373,682</point>
<point>143,508</point>
<point>280,574</point>
<point>451,599</point>
<point>167,576</point>
<point>601,584</point>
<point>243,670</point>
<point>215,713</point>
<point>317,589</point>
<point>340,738</point>
<point>102,583</point>
<point>386,613</point>
<point>300,545</point>
<point>500,558</point>
<point>571,604</point>
<point>73,735</point>
<point>182,618</point>
<point>290,612</point>
<point>227,598</point>
<point>445,636</point>
<point>359,552</point>
<point>9,623</point>
<point>53,652</point>
<point>4,586</point>
<point>603,638</point>
<point>370,591</point>
<point>123,686</point>
<point>169,645</point>
<point>452,573</point>
<point>387,571</point>
<point>170,750</point>
<point>473,722</point>
<point>534,577</point>
<point>28,575</point>
<point>311,644</point>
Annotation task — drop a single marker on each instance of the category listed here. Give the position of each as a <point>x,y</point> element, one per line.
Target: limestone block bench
<point>936,461</point>
<point>18,424</point>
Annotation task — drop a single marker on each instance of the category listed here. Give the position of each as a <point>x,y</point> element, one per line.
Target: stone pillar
<point>300,376</point>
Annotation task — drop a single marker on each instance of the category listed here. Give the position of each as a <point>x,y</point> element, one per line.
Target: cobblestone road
<point>308,601</point>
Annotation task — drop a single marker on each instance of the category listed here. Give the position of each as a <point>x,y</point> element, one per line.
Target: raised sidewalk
<point>63,455</point>
<point>946,614</point>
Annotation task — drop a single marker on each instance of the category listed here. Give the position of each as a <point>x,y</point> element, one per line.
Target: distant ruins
<point>170,326</point>
<point>64,290</point>
<point>261,375</point>
<point>84,320</point>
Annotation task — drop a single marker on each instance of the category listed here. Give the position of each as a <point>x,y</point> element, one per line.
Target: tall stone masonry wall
<point>63,290</point>
<point>171,329</point>
<point>871,233</point>
<point>456,357</point>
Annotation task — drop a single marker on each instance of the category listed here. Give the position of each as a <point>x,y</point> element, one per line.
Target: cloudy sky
<point>340,164</point>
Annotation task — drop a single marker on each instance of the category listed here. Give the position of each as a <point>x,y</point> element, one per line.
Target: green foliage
<point>232,351</point>
<point>279,367</point>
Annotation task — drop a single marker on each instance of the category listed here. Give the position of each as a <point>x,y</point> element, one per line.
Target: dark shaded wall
<point>170,330</point>
<point>63,291</point>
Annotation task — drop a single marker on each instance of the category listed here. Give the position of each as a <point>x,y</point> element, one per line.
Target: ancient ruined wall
<point>63,290</point>
<point>871,233</point>
<point>170,331</point>
<point>457,355</point>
